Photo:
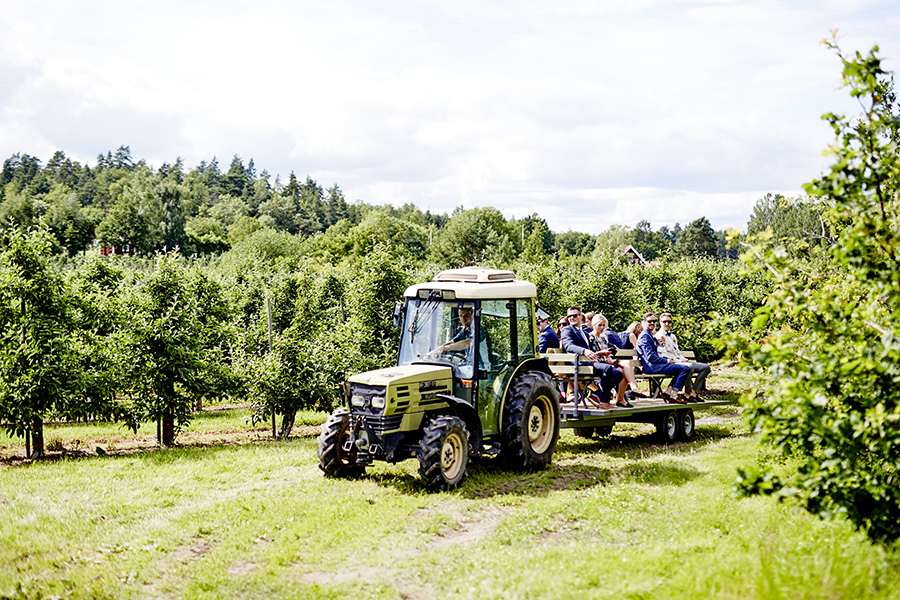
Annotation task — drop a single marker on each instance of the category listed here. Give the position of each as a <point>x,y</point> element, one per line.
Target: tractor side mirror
<point>398,313</point>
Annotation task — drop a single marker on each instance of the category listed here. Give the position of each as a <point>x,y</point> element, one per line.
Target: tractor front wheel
<point>443,453</point>
<point>335,459</point>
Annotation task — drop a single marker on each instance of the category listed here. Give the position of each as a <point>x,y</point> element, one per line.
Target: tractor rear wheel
<point>530,422</point>
<point>334,459</point>
<point>443,453</point>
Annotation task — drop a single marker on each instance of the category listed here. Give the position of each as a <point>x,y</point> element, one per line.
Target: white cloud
<point>593,112</point>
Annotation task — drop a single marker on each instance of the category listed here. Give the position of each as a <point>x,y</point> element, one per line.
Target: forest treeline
<point>127,205</point>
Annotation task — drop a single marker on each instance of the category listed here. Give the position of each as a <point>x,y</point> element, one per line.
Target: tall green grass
<point>620,517</point>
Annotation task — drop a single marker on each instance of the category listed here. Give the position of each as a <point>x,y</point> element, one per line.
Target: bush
<point>829,338</point>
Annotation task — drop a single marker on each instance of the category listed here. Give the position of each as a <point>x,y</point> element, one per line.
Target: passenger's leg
<point>616,380</point>
<point>681,374</point>
<point>702,370</point>
<point>687,382</point>
<point>607,380</point>
<point>628,374</point>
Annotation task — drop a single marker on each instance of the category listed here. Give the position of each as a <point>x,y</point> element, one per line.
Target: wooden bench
<point>655,380</point>
<point>569,368</point>
<point>564,369</point>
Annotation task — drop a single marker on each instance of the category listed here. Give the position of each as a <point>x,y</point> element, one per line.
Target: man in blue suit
<point>699,370</point>
<point>548,338</point>
<point>577,339</point>
<point>655,364</point>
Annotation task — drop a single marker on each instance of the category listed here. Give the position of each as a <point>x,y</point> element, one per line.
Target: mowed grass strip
<point>616,517</point>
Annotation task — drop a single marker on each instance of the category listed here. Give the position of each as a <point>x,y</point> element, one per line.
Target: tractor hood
<point>405,375</point>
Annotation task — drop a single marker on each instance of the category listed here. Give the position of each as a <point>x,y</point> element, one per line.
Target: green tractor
<point>469,382</point>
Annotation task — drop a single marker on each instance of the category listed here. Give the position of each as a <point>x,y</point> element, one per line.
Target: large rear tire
<point>443,453</point>
<point>334,460</point>
<point>530,422</point>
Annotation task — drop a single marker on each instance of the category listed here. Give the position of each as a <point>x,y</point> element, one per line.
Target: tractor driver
<point>462,341</point>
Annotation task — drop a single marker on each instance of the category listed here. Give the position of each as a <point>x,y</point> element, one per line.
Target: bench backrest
<point>562,363</point>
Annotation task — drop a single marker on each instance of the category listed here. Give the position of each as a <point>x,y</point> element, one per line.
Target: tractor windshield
<point>440,332</point>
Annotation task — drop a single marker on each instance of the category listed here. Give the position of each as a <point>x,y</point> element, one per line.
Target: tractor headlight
<point>357,400</point>
<point>377,401</point>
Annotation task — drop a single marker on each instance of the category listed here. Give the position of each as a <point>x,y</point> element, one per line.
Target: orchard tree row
<point>828,334</point>
<point>147,339</point>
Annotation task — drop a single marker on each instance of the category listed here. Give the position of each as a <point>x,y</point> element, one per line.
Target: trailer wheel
<point>667,427</point>
<point>530,422</point>
<point>686,425</point>
<point>604,430</point>
<point>583,432</point>
<point>334,459</point>
<point>443,453</point>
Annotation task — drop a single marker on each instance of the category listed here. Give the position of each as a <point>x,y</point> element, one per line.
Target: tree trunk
<point>37,438</point>
<point>168,429</point>
<point>287,424</point>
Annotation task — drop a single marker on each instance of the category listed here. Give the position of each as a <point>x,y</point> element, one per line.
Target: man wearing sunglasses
<point>655,364</point>
<point>576,339</point>
<point>699,370</point>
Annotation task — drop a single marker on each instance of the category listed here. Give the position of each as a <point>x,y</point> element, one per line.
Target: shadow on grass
<point>154,454</point>
<point>488,477</point>
<point>625,443</point>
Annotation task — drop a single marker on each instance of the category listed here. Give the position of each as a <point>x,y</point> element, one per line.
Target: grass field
<point>621,517</point>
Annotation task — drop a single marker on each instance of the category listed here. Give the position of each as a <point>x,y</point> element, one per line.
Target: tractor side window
<point>496,322</point>
<point>525,329</point>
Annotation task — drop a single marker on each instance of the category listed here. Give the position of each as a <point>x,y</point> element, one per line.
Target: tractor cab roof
<point>470,283</point>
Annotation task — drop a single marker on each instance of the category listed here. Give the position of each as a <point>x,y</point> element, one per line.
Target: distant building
<point>630,255</point>
<point>111,250</point>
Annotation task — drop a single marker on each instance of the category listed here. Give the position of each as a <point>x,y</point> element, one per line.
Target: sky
<point>589,114</point>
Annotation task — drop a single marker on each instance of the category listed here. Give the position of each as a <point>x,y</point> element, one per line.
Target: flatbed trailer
<point>469,382</point>
<point>673,421</point>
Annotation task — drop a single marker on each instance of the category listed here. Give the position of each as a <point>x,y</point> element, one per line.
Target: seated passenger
<point>661,344</point>
<point>632,333</point>
<point>562,322</point>
<point>700,369</point>
<point>577,339</point>
<point>548,338</point>
<point>605,338</point>
<point>653,363</point>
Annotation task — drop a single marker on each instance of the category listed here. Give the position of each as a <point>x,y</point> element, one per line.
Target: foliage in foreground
<point>830,338</point>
